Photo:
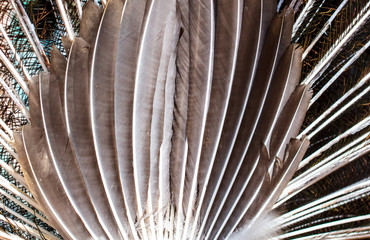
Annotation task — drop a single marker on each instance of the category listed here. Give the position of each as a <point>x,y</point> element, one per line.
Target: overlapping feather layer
<point>168,120</point>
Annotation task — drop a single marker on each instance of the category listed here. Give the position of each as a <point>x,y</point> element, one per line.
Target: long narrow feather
<point>179,147</point>
<point>162,118</point>
<point>148,105</point>
<point>245,70</point>
<point>79,130</point>
<point>102,110</point>
<point>43,172</point>
<point>200,81</point>
<point>62,155</point>
<point>227,36</point>
<point>34,188</point>
<point>124,82</point>
<point>275,43</point>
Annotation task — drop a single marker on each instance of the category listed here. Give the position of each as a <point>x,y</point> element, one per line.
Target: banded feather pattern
<point>185,119</point>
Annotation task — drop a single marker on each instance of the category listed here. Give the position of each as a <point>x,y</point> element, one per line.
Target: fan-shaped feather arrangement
<point>183,119</point>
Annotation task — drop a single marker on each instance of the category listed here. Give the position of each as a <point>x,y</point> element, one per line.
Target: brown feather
<point>79,128</point>
<point>62,155</point>
<point>102,110</point>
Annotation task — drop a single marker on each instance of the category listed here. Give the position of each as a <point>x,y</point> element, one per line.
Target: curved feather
<point>271,53</point>
<point>32,184</point>
<point>43,172</point>
<point>124,82</point>
<point>227,36</point>
<point>79,129</point>
<point>62,155</point>
<point>201,38</point>
<point>102,110</point>
<point>253,28</point>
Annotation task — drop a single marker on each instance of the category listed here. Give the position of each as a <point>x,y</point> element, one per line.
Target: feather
<point>179,149</point>
<point>43,172</point>
<point>252,114</point>
<point>200,81</point>
<point>58,68</point>
<point>18,138</point>
<point>124,82</point>
<point>148,104</point>
<point>227,36</point>
<point>77,117</point>
<point>178,119</point>
<point>62,155</point>
<point>245,69</point>
<point>102,110</point>
<point>91,18</point>
<point>162,117</point>
<point>55,196</point>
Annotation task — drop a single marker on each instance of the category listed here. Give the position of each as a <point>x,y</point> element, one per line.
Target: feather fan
<point>176,119</point>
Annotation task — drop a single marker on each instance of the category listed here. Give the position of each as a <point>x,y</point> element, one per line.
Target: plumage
<point>184,119</point>
<point>77,98</point>
<point>102,111</point>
